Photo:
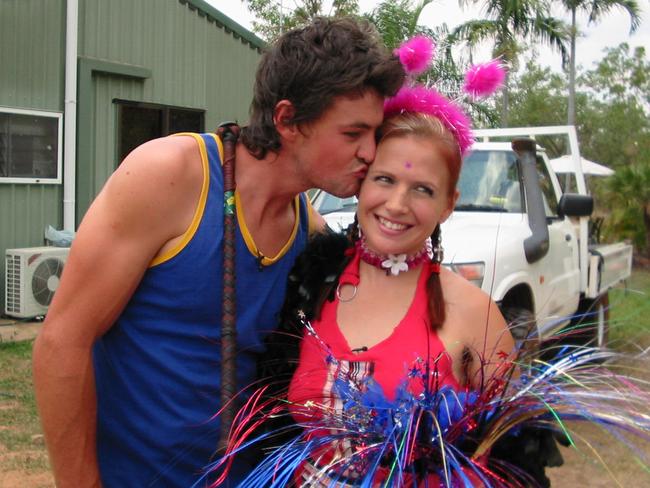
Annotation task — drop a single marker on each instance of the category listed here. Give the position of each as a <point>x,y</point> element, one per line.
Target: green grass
<point>629,325</point>
<point>19,425</point>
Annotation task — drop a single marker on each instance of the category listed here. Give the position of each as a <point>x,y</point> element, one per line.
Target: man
<point>127,366</point>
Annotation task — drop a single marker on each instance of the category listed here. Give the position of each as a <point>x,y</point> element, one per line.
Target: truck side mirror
<point>575,205</point>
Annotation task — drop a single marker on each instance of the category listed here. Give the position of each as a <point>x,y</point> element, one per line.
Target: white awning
<point>565,164</point>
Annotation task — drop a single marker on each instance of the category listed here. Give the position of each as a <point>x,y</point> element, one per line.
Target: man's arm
<point>144,207</point>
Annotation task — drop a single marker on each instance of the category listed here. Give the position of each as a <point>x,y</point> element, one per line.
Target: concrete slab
<point>12,330</point>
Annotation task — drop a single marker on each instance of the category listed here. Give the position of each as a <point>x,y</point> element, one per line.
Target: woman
<point>397,314</point>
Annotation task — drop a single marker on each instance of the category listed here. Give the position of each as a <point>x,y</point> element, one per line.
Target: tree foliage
<point>397,21</point>
<point>276,16</point>
<point>629,191</point>
<point>622,75</point>
<point>621,85</point>
<point>596,9</point>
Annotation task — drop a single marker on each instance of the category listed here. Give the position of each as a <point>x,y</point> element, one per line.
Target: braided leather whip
<point>229,133</point>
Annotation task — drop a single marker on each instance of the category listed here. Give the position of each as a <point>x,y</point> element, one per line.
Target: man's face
<point>334,151</point>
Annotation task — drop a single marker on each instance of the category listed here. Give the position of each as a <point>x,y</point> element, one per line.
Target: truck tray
<point>609,264</point>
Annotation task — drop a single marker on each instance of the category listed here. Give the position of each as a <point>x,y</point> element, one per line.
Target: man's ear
<point>283,117</point>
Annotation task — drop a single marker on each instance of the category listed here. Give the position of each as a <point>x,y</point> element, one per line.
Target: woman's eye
<point>425,190</point>
<point>383,179</point>
<point>352,135</point>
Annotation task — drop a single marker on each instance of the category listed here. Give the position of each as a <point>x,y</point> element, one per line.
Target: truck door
<point>558,271</point>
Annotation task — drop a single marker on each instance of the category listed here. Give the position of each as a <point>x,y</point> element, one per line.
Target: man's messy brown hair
<point>312,65</point>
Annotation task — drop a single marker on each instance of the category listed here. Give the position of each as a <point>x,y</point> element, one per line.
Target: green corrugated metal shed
<point>181,53</point>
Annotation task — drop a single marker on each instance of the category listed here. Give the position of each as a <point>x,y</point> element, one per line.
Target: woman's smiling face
<point>405,195</point>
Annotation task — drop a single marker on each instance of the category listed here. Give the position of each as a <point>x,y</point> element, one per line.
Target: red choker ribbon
<point>394,264</point>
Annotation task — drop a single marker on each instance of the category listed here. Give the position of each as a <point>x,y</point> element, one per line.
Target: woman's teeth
<point>391,225</point>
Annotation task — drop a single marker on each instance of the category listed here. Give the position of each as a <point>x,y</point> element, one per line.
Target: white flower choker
<point>394,264</point>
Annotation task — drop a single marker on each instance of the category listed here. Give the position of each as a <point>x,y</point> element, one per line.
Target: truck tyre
<point>523,328</point>
<point>591,325</point>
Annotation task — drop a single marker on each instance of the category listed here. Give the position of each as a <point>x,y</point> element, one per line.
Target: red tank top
<point>409,356</point>
<point>401,359</point>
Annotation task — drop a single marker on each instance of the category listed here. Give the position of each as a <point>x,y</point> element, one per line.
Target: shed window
<point>30,146</point>
<point>141,122</point>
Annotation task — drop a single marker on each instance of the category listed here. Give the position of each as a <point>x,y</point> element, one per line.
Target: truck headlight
<point>472,272</point>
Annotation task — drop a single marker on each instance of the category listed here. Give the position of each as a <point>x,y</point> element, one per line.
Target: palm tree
<point>506,23</point>
<point>596,9</point>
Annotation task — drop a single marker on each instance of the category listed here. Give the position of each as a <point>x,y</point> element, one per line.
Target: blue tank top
<point>158,368</point>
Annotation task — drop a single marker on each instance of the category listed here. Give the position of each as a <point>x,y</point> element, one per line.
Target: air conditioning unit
<point>31,277</point>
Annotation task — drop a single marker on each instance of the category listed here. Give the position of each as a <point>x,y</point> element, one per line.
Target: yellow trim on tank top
<point>203,198</point>
<point>312,227</point>
<point>248,238</point>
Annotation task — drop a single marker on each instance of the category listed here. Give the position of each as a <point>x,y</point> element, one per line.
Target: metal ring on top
<point>338,293</point>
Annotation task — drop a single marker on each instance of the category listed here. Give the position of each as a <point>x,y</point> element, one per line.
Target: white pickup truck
<point>515,234</point>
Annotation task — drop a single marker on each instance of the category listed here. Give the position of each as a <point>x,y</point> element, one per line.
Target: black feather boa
<point>312,280</point>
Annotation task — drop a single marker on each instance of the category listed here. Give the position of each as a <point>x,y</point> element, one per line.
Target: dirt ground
<point>26,468</point>
<point>20,479</point>
<point>582,468</point>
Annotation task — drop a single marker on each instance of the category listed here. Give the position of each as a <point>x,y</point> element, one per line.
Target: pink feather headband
<point>481,80</point>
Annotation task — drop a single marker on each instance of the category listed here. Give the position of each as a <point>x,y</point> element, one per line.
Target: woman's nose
<point>397,202</point>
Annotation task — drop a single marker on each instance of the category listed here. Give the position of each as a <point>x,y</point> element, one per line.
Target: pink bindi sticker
<point>408,165</point>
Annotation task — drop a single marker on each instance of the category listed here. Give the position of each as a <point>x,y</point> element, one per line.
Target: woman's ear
<point>283,119</point>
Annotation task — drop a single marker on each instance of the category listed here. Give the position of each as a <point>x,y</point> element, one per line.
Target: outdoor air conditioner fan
<point>32,277</point>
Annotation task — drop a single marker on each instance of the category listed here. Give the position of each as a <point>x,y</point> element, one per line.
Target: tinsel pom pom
<point>416,54</point>
<point>484,79</point>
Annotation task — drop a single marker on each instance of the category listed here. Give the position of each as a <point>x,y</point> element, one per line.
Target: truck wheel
<point>523,328</point>
<point>591,325</point>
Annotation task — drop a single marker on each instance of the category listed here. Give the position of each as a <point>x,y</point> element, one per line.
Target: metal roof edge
<point>230,25</point>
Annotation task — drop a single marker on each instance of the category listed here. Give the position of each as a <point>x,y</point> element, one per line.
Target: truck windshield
<point>330,203</point>
<point>489,181</point>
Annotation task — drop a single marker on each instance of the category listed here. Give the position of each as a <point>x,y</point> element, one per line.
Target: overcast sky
<point>610,32</point>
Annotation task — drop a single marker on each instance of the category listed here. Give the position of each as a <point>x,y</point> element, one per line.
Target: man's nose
<point>367,149</point>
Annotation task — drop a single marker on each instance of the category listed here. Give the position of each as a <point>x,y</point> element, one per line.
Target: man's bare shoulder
<point>158,183</point>
<point>173,156</point>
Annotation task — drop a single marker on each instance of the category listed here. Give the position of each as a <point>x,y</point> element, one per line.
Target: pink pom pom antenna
<point>416,54</point>
<point>484,79</point>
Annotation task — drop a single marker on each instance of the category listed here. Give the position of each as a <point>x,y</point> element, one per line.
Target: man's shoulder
<point>171,150</point>
<point>171,161</point>
<point>161,180</point>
